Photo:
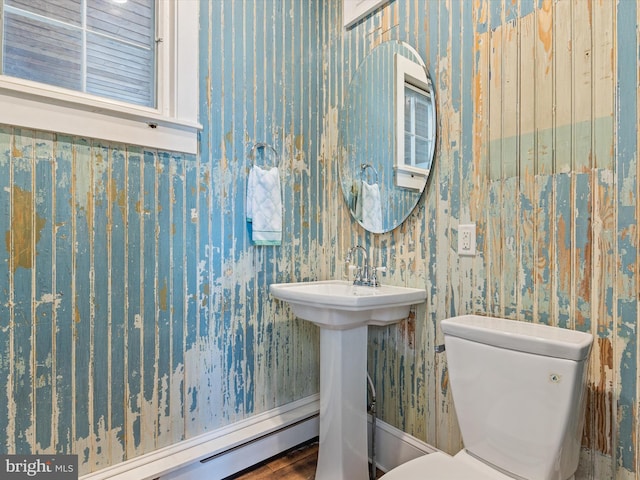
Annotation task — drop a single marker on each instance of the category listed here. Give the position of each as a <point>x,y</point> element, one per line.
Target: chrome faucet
<point>365,275</point>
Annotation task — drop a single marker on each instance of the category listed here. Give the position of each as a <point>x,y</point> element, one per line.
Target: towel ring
<point>263,145</point>
<point>363,172</point>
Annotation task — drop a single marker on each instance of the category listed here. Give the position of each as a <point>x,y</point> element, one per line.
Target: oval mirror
<point>387,135</point>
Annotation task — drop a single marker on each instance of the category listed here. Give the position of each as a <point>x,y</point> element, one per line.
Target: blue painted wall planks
<point>134,311</point>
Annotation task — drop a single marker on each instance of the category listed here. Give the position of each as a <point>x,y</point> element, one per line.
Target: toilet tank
<point>519,393</point>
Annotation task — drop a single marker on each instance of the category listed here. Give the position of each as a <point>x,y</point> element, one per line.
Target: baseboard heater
<point>261,439</point>
<point>232,449</point>
<point>224,451</point>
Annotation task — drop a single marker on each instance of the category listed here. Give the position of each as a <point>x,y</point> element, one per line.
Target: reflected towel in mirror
<point>369,207</point>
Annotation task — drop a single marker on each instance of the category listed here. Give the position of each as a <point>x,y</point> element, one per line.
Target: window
<point>418,136</point>
<point>354,10</point>
<point>101,47</point>
<point>415,124</point>
<point>121,70</point>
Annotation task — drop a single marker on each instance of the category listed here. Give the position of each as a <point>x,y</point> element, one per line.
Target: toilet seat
<point>440,466</point>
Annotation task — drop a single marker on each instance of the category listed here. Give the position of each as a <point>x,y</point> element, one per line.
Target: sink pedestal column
<point>343,405</point>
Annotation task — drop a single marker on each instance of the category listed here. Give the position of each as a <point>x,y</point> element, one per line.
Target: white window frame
<point>429,134</point>
<point>412,73</point>
<point>354,10</point>
<point>173,125</point>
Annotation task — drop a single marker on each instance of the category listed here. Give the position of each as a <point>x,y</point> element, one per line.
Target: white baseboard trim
<point>224,451</point>
<point>231,449</point>
<point>395,447</point>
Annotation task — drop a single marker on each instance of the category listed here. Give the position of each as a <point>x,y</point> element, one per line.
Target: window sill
<point>28,105</point>
<point>411,178</point>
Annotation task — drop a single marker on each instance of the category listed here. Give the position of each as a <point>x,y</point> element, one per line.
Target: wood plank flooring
<point>297,464</point>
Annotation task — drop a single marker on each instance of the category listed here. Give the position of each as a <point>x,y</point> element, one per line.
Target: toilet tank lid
<point>521,336</point>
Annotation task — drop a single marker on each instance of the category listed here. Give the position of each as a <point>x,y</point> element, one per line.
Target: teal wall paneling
<point>134,309</point>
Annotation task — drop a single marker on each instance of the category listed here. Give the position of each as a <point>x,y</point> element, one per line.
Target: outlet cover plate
<point>467,239</point>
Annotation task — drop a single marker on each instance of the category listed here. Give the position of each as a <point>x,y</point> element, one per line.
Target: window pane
<point>422,151</point>
<point>408,111</point>
<point>131,22</point>
<point>67,11</point>
<point>38,51</point>
<point>422,118</point>
<point>110,52</point>
<point>418,139</point>
<point>408,149</point>
<point>119,70</point>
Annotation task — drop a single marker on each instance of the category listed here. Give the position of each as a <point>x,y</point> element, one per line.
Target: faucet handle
<point>374,275</point>
<point>350,269</point>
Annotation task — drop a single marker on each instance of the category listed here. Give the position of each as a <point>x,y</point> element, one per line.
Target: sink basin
<point>340,305</point>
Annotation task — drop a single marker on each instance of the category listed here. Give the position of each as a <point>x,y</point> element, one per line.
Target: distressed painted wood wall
<point>538,145</point>
<point>134,311</point>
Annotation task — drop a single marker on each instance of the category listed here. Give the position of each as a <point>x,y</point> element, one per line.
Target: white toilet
<point>518,390</point>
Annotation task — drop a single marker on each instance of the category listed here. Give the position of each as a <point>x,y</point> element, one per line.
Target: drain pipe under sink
<point>372,410</point>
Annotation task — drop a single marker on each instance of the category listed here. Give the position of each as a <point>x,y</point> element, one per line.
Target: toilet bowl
<point>519,393</point>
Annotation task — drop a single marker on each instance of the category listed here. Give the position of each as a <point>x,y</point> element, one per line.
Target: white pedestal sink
<point>343,312</point>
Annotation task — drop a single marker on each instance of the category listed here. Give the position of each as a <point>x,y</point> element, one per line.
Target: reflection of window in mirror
<point>414,124</point>
<point>418,135</point>
<point>354,10</point>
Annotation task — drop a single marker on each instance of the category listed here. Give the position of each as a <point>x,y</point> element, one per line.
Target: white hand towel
<point>370,207</point>
<point>264,206</point>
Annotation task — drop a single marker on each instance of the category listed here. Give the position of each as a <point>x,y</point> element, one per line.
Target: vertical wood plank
<point>7,357</point>
<point>563,146</point>
<point>44,299</point>
<point>527,164</point>
<point>510,161</point>
<point>64,312</point>
<point>22,241</point>
<point>481,150</point>
<point>163,299</point>
<point>494,188</point>
<point>179,218</point>
<point>148,288</point>
<point>83,284</point>
<point>117,207</point>
<point>192,360</point>
<point>597,434</point>
<point>545,168</point>
<point>468,208</point>
<point>101,314</point>
<point>621,255</point>
<point>133,341</point>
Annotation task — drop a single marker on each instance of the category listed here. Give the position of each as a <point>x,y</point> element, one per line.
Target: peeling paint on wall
<point>538,146</point>
<point>26,228</point>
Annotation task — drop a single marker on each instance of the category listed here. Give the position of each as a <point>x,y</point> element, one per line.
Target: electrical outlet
<point>467,239</point>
